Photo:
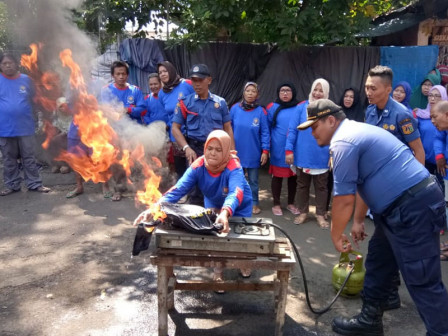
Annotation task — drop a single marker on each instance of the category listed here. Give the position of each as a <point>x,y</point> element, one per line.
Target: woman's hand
<point>264,158</point>
<point>289,159</point>
<point>145,216</point>
<point>223,218</point>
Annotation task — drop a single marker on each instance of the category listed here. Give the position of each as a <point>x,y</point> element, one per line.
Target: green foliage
<point>4,36</point>
<point>288,23</point>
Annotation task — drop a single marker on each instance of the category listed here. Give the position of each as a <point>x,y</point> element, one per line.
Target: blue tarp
<point>410,64</point>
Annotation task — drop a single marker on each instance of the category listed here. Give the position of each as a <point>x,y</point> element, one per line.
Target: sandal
<point>256,210</point>
<point>293,209</point>
<point>300,219</point>
<point>277,211</point>
<point>41,189</point>
<point>322,222</point>
<point>245,272</point>
<point>116,196</point>
<point>7,191</point>
<point>444,256</point>
<point>108,194</point>
<point>73,193</point>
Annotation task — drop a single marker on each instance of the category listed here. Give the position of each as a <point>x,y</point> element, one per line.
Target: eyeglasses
<point>285,90</point>
<point>434,96</point>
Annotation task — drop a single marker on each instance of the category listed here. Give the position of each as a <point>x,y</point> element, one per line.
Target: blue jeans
<point>252,176</point>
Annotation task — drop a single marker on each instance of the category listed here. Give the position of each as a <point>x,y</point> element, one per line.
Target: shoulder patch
<point>407,128</point>
<point>269,105</point>
<point>147,96</point>
<point>233,164</point>
<point>264,111</point>
<point>302,102</point>
<point>188,81</point>
<point>199,162</point>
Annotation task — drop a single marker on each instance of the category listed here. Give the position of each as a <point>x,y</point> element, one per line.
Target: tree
<point>286,22</point>
<point>4,36</point>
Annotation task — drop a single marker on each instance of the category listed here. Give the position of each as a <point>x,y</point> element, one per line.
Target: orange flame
<point>95,132</point>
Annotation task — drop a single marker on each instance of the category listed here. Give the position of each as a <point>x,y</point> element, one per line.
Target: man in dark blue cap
<point>408,210</point>
<point>201,113</point>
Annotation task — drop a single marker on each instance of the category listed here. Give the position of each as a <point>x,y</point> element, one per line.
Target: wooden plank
<point>227,285</point>
<point>162,292</point>
<point>283,277</point>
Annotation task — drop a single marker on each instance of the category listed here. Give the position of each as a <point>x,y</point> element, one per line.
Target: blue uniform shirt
<point>279,133</point>
<point>373,162</point>
<point>441,146</point>
<point>307,153</point>
<point>227,190</point>
<point>396,119</point>
<point>16,112</point>
<point>251,133</point>
<point>154,110</point>
<point>131,97</point>
<point>170,100</point>
<point>201,116</point>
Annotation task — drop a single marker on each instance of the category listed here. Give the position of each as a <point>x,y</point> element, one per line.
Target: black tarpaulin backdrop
<point>232,65</point>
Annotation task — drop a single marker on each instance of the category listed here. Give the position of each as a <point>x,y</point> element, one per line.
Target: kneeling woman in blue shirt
<point>219,176</point>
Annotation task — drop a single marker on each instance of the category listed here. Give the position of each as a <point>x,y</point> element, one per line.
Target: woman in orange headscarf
<point>219,176</point>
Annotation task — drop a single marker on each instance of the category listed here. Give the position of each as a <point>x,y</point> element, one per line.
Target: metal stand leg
<point>283,277</point>
<point>162,294</point>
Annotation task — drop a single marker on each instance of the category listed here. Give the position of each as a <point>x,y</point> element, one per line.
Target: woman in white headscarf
<point>311,160</point>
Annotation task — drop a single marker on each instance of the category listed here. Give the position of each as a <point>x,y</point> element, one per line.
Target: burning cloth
<point>192,218</point>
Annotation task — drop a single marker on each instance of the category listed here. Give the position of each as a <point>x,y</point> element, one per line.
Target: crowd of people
<point>376,157</point>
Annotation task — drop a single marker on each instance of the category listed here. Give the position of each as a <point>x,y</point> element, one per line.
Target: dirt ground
<point>65,269</point>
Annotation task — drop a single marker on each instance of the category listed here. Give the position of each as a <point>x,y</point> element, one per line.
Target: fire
<point>106,149</point>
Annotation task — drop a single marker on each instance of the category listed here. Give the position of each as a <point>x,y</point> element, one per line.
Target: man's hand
<point>342,243</point>
<point>223,218</point>
<point>358,233</point>
<point>264,158</point>
<point>190,155</point>
<point>289,159</point>
<point>441,166</point>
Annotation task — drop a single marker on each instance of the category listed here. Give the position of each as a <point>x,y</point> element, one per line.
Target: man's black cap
<point>199,70</point>
<point>318,109</point>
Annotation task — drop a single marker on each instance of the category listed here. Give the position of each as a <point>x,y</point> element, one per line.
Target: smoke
<point>50,24</point>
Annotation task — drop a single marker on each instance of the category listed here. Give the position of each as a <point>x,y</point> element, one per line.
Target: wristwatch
<point>184,148</point>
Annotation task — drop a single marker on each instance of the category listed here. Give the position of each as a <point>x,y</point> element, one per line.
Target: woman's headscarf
<point>246,106</point>
<point>174,78</point>
<point>407,90</point>
<point>325,88</point>
<point>426,113</point>
<point>418,99</point>
<point>282,104</point>
<point>225,141</point>
<point>357,110</point>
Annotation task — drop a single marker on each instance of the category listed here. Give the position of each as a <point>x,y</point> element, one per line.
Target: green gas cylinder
<point>347,261</point>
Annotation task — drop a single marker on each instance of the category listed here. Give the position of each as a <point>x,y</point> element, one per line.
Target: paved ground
<point>65,269</point>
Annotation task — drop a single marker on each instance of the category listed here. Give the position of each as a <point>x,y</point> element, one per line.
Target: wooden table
<point>282,261</point>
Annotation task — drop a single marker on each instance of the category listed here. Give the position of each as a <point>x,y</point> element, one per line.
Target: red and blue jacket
<point>131,97</point>
<point>227,190</point>
<point>251,133</point>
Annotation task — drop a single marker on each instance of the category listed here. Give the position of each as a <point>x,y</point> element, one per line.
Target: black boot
<point>393,301</point>
<point>367,323</point>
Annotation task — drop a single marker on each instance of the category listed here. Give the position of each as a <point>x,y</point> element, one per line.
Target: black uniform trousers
<point>407,238</point>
